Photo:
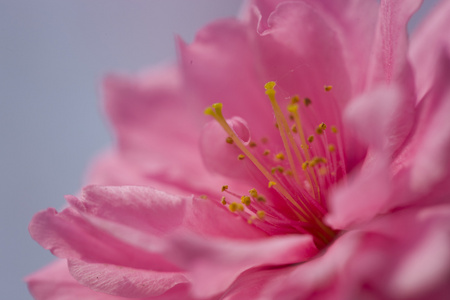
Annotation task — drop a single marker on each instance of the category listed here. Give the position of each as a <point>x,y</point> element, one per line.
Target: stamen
<point>223,201</point>
<point>328,88</point>
<point>235,207</point>
<point>241,156</point>
<point>229,140</point>
<point>216,112</point>
<point>224,188</point>
<point>246,200</point>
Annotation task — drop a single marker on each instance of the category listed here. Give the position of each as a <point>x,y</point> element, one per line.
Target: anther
<point>229,140</point>
<point>224,188</point>
<point>272,183</point>
<point>279,156</point>
<point>223,201</point>
<point>261,214</point>
<point>334,129</point>
<point>311,138</point>
<point>241,157</point>
<point>266,152</point>
<point>245,200</point>
<point>252,144</point>
<point>295,99</point>
<point>235,207</point>
<point>253,193</point>
<point>328,88</point>
<point>331,148</point>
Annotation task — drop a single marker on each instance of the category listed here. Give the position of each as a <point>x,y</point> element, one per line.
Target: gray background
<point>53,54</point>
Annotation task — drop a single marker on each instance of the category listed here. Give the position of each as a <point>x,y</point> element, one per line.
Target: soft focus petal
<point>205,257</point>
<point>54,282</point>
<point>126,282</point>
<point>427,44</point>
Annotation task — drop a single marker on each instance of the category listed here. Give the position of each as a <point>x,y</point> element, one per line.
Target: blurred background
<point>53,55</point>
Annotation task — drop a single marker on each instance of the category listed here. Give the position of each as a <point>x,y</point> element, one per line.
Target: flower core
<point>300,175</point>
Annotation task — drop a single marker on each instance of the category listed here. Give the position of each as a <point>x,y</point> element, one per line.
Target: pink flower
<point>347,197</point>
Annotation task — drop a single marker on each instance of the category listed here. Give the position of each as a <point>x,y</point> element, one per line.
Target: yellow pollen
<point>235,207</point>
<point>294,128</point>
<point>272,183</point>
<point>280,156</point>
<point>245,200</point>
<point>203,197</point>
<point>323,126</point>
<point>241,157</point>
<point>331,148</point>
<point>261,214</point>
<point>319,130</point>
<point>229,140</point>
<point>224,188</point>
<point>253,193</point>
<point>311,138</point>
<point>295,99</point>
<point>307,102</point>
<point>252,144</point>
<point>305,165</point>
<point>289,173</point>
<point>270,85</point>
<point>334,129</point>
<point>223,201</point>
<point>266,152</point>
<point>328,88</point>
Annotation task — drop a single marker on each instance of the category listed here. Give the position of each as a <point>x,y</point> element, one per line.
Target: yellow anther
<point>319,130</point>
<point>261,198</point>
<point>266,152</point>
<point>328,88</point>
<point>331,148</point>
<point>273,170</point>
<point>272,183</point>
<point>317,160</point>
<point>307,102</point>
<point>252,144</point>
<point>223,201</point>
<point>280,169</point>
<point>245,200</point>
<point>261,214</point>
<point>323,126</point>
<point>311,138</point>
<point>208,111</point>
<point>235,207</point>
<point>253,193</point>
<point>294,128</point>
<point>305,165</point>
<point>295,99</point>
<point>241,156</point>
<point>279,156</point>
<point>203,197</point>
<point>218,108</point>
<point>264,140</point>
<point>229,140</point>
<point>270,85</point>
<point>224,188</point>
<point>292,108</point>
<point>289,173</point>
<point>334,129</point>
<point>291,117</point>
<point>250,220</point>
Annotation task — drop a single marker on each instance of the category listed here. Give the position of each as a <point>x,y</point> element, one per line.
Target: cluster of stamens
<point>300,175</point>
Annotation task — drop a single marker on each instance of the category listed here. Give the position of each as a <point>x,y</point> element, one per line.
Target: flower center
<point>299,176</point>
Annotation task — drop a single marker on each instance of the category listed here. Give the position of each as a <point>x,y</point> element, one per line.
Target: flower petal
<point>54,282</point>
<point>128,282</point>
<point>427,44</point>
<point>205,257</point>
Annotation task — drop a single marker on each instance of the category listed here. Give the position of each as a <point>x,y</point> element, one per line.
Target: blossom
<point>319,169</point>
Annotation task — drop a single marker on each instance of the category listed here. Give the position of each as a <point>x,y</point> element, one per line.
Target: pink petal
<point>127,282</point>
<point>424,164</point>
<point>389,62</point>
<point>215,264</point>
<point>54,282</point>
<point>156,129</point>
<point>364,196</point>
<point>427,44</point>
